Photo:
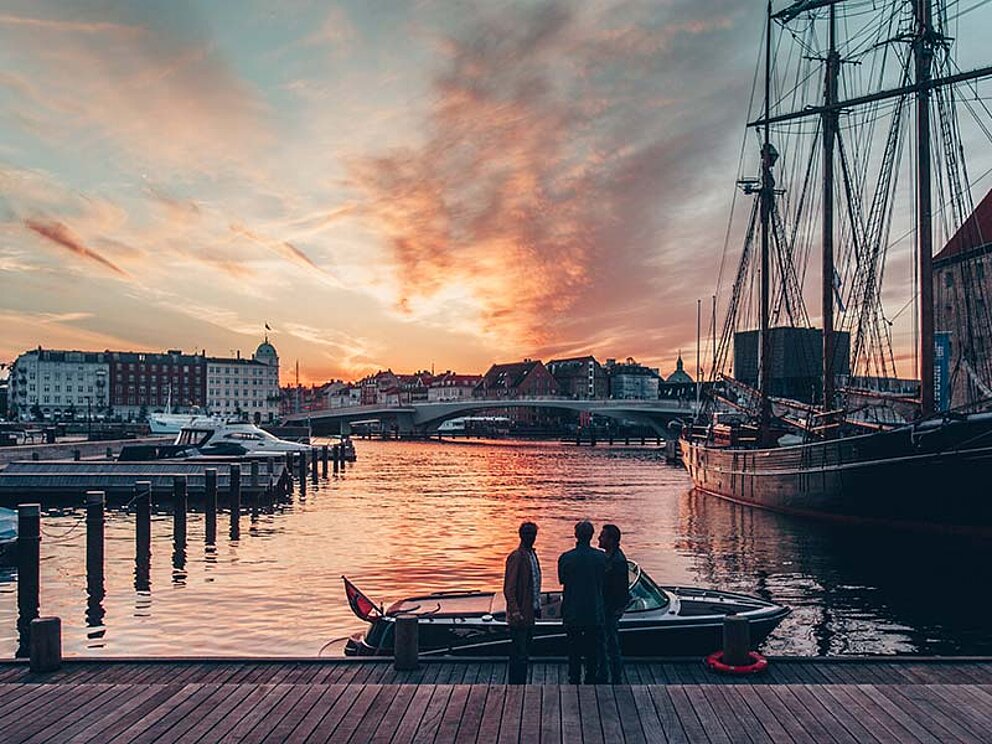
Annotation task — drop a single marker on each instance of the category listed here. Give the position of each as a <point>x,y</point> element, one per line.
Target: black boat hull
<point>645,639</point>
<point>930,476</point>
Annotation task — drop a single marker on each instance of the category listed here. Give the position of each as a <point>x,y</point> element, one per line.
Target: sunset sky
<point>387,184</point>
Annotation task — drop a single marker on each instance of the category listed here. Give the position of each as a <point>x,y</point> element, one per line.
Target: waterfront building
<point>245,388</point>
<point>679,376</point>
<point>580,377</point>
<point>452,386</point>
<point>141,382</point>
<point>963,293</point>
<point>374,385</point>
<point>48,383</point>
<point>629,380</point>
<point>517,380</point>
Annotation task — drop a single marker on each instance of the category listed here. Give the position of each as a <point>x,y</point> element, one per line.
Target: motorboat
<point>220,438</point>
<point>659,621</point>
<point>173,423</point>
<point>8,537</point>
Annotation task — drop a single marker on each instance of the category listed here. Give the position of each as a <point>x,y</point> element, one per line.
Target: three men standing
<point>582,572</point>
<point>522,590</point>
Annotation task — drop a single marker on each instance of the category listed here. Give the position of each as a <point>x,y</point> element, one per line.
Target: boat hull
<point>933,476</point>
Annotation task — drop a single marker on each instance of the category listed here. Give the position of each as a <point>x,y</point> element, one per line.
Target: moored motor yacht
<point>659,621</point>
<point>220,438</point>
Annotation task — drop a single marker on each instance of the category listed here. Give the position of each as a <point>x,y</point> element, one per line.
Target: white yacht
<point>168,422</point>
<point>210,437</point>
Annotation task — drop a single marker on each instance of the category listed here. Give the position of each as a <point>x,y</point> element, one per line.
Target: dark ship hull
<point>935,474</point>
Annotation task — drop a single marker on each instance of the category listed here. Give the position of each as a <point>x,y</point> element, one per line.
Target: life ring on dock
<point>758,664</point>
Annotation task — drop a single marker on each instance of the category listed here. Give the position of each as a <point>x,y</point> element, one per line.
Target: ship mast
<point>829,134</point>
<point>923,56</point>
<point>766,197</point>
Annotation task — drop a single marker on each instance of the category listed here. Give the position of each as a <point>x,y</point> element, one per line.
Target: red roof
<point>974,233</point>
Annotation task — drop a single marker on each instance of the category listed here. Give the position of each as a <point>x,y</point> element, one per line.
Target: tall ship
<point>814,420</point>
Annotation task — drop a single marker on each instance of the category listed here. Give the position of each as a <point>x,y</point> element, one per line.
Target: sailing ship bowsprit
<point>863,444</point>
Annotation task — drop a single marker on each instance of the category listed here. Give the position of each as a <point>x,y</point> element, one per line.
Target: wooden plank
<point>739,721</point>
<point>708,718</point>
<point>259,713</point>
<point>287,696</point>
<point>153,715</point>
<point>64,709</point>
<point>550,715</point>
<point>406,728</point>
<point>873,697</point>
<point>609,714</point>
<point>592,726</point>
<point>430,723</point>
<point>767,706</point>
<point>362,720</point>
<point>450,721</point>
<point>100,722</point>
<point>170,716</point>
<point>492,715</point>
<point>916,699</point>
<point>530,718</point>
<point>325,706</point>
<point>824,707</point>
<point>630,720</point>
<point>509,725</point>
<point>395,713</point>
<point>878,727</point>
<point>352,703</point>
<point>571,727</point>
<point>822,731</point>
<point>298,710</point>
<point>683,710</point>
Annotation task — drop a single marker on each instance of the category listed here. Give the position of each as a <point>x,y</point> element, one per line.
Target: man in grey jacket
<point>581,572</point>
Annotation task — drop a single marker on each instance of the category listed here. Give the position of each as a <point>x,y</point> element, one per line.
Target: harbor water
<point>414,517</point>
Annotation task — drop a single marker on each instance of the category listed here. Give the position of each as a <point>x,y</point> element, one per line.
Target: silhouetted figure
<point>581,572</point>
<point>616,597</point>
<point>522,589</point>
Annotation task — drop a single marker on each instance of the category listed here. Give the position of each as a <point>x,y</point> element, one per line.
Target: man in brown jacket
<point>522,589</point>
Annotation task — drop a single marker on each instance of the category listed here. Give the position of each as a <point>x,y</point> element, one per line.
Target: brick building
<point>580,377</point>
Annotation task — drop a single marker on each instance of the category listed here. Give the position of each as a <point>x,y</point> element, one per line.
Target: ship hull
<point>930,476</point>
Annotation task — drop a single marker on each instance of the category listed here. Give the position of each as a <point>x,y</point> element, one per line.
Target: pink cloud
<point>61,235</point>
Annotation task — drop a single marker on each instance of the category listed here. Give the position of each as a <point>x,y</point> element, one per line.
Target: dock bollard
<point>323,460</point>
<point>234,497</point>
<point>256,487</point>
<point>736,640</point>
<point>406,643</point>
<point>110,453</point>
<point>28,572</point>
<point>210,510</point>
<point>180,502</point>
<point>76,454</point>
<point>95,503</point>
<point>35,456</point>
<point>46,644</point>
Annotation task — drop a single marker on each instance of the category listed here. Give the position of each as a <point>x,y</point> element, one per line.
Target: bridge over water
<point>426,417</point>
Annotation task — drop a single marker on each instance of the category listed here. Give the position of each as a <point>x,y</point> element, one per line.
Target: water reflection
<point>414,517</point>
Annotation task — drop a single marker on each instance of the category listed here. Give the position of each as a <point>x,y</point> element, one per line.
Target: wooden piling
<point>234,497</point>
<point>313,463</point>
<point>736,641</point>
<point>323,460</point>
<point>302,475</point>
<point>256,490</point>
<point>76,454</point>
<point>406,642</point>
<point>336,457</point>
<point>142,534</point>
<point>46,644</point>
<point>95,507</point>
<point>28,572</point>
<point>180,502</point>
<point>210,510</point>
<point>289,465</point>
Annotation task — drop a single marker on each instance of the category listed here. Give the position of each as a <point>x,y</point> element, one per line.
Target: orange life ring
<point>758,664</point>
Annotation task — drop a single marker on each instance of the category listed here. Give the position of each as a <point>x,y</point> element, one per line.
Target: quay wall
<point>64,450</point>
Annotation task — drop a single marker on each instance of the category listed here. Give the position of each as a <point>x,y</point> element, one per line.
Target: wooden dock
<point>290,700</point>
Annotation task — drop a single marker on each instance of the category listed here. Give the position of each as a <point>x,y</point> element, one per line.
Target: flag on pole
<point>267,327</point>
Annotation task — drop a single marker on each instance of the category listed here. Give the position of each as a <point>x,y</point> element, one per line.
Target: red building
<point>528,378</point>
<point>139,380</point>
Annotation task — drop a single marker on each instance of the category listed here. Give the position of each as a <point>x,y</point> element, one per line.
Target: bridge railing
<point>651,403</point>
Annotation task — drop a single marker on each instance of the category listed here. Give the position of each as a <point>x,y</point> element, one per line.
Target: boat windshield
<point>644,593</point>
<point>193,437</point>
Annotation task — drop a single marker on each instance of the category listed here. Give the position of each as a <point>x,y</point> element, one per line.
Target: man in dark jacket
<point>522,590</point>
<point>616,597</point>
<point>581,572</point>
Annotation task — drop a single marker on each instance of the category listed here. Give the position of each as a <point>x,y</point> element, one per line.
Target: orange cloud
<point>59,234</point>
